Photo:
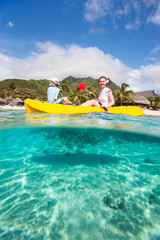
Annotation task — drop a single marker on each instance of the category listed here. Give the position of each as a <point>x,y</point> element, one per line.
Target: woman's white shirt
<point>103,95</point>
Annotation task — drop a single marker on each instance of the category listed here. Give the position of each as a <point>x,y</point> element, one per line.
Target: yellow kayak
<point>38,106</point>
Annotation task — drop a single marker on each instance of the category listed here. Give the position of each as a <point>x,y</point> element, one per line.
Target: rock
<point>114,201</point>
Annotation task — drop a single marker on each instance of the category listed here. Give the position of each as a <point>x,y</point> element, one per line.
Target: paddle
<point>83,86</point>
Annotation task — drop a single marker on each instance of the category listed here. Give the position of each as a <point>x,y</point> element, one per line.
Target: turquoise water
<point>85,177</point>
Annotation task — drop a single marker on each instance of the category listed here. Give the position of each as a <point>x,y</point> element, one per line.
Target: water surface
<point>88,176</point>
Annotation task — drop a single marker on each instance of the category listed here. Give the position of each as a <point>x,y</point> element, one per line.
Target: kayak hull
<point>38,106</point>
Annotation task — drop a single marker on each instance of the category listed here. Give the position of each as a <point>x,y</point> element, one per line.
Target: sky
<point>119,39</point>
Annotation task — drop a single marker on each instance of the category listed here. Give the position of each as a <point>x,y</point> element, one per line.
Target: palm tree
<point>123,94</point>
<point>157,101</point>
<point>75,95</point>
<point>64,85</point>
<point>79,96</point>
<point>154,101</point>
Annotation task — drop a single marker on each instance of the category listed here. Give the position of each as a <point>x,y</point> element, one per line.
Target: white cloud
<point>156,49</point>
<point>5,69</point>
<point>155,18</point>
<point>123,11</point>
<point>53,60</point>
<point>10,24</point>
<point>97,30</point>
<point>150,76</point>
<point>154,54</point>
<point>96,9</point>
<point>135,25</point>
<point>150,3</point>
<point>152,59</point>
<point>146,11</point>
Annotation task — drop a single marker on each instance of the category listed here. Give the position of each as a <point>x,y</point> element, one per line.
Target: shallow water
<point>90,176</point>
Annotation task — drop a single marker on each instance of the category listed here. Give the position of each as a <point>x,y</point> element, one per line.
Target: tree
<point>75,96</point>
<point>64,86</point>
<point>123,94</point>
<point>78,96</point>
<point>12,86</point>
<point>155,101</point>
<point>151,99</point>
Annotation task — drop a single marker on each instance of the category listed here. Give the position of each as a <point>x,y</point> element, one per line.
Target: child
<point>54,92</point>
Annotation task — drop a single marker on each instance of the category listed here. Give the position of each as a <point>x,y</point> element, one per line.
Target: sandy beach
<point>147,112</point>
<point>7,107</point>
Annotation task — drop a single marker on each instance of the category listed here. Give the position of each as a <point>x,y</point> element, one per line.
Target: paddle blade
<point>82,86</point>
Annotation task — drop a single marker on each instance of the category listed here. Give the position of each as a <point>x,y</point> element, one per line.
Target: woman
<point>105,95</point>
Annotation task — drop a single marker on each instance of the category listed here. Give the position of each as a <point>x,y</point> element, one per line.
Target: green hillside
<point>38,88</point>
<point>23,88</point>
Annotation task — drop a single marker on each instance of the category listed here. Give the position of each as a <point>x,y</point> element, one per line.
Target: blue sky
<point>117,38</point>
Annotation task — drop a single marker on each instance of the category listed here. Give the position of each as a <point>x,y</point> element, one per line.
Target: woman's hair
<point>107,79</point>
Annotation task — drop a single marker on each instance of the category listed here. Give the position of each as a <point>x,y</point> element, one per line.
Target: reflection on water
<point>150,125</point>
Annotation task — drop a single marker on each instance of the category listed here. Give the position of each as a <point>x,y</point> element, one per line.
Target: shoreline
<point>147,112</point>
<point>7,107</point>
